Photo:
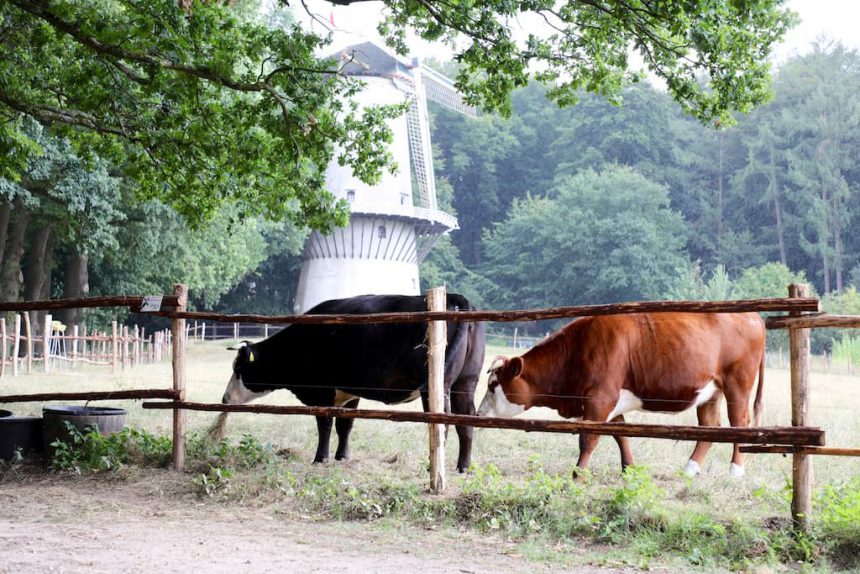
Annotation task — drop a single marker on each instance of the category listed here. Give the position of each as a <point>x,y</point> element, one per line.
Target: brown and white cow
<point>599,368</point>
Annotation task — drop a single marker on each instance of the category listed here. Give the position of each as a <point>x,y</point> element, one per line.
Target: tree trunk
<point>34,274</point>
<point>11,278</point>
<point>824,238</point>
<point>5,213</point>
<point>780,231</point>
<point>77,285</point>
<point>47,269</point>
<point>720,193</point>
<point>837,241</point>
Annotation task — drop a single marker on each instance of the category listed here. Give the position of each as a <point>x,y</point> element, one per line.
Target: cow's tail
<point>757,402</point>
<point>461,339</point>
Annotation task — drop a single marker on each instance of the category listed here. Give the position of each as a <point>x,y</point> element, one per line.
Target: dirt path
<point>58,524</point>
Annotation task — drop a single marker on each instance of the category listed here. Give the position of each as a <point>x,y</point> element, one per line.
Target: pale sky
<point>837,19</point>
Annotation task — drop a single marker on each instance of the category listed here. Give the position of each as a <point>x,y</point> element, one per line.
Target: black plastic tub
<point>19,434</point>
<point>107,419</point>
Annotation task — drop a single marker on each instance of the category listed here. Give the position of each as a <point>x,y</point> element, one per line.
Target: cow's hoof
<point>736,471</point>
<point>341,457</point>
<point>320,460</point>
<point>462,469</point>
<point>580,474</point>
<point>692,468</point>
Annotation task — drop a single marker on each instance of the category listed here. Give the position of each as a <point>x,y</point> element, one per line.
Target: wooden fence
<point>215,331</point>
<point>800,439</point>
<point>122,347</point>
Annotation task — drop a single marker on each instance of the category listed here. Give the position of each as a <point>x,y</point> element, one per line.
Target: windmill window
<point>350,195</point>
<point>382,232</point>
<point>403,198</point>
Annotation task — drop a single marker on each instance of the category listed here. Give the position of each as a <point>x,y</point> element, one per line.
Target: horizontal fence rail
<point>787,449</point>
<point>808,304</point>
<point>806,436</point>
<point>94,396</point>
<point>819,321</point>
<point>134,302</point>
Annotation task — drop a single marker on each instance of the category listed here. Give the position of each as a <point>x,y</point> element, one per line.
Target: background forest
<point>590,204</point>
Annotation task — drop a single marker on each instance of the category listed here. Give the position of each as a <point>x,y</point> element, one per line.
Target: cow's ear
<point>515,366</point>
<point>497,363</point>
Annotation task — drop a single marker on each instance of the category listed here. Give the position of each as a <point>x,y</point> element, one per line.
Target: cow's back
<point>386,362</point>
<point>665,358</point>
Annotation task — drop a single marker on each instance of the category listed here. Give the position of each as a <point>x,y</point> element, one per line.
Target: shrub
<point>838,524</point>
<point>90,451</point>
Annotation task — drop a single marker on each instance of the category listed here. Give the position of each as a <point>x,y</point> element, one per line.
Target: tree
<point>585,45</point>
<point>199,104</point>
<point>61,204</point>
<point>597,238</point>
<point>156,248</point>
<point>820,121</point>
<point>204,105</point>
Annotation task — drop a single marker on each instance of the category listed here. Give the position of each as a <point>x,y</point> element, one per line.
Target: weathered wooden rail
<point>806,304</point>
<point>801,436</point>
<point>93,396</point>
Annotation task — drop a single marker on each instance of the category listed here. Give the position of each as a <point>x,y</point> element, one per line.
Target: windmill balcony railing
<point>396,210</point>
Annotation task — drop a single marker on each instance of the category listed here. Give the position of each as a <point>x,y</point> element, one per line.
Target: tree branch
<point>50,114</point>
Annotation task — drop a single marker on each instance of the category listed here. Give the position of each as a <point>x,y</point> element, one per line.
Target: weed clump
<point>89,451</point>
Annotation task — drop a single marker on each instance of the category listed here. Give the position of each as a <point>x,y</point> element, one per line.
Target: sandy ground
<point>135,524</point>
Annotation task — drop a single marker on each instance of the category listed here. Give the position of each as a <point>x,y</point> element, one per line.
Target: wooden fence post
<point>16,345</point>
<point>235,331</point>
<point>114,347</point>
<point>5,346</point>
<point>28,334</point>
<point>46,342</point>
<point>178,328</point>
<point>437,339</point>
<point>75,344</point>
<point>801,499</point>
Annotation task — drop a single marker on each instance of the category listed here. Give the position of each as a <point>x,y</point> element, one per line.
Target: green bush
<point>838,523</point>
<point>90,451</point>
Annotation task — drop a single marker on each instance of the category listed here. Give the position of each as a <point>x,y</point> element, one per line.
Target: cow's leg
<point>739,416</point>
<point>343,428</point>
<point>709,415</point>
<point>463,403</point>
<point>323,433</point>
<point>623,446</point>
<point>597,411</point>
<point>587,444</point>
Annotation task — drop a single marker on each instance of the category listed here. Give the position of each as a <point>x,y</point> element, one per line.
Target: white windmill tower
<point>390,230</point>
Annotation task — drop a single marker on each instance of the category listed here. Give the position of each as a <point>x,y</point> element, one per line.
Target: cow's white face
<point>496,403</point>
<point>237,393</point>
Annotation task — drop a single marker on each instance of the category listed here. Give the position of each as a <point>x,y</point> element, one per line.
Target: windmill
<point>394,223</point>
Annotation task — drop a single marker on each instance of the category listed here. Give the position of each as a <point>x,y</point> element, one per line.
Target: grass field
<point>835,400</point>
<point>510,464</point>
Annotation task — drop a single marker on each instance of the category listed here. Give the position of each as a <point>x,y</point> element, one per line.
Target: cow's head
<point>246,384</point>
<point>507,392</point>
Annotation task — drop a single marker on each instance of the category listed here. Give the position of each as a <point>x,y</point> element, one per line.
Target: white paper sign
<point>151,303</point>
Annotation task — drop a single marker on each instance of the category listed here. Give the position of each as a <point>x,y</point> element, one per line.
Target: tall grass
<point>847,349</point>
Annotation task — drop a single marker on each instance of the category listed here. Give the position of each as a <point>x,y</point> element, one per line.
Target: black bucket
<point>107,419</point>
<point>22,434</point>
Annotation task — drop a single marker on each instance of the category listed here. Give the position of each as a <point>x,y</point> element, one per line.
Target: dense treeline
<point>590,204</point>
<point>782,186</point>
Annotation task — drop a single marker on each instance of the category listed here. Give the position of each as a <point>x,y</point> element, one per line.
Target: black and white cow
<point>336,365</point>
